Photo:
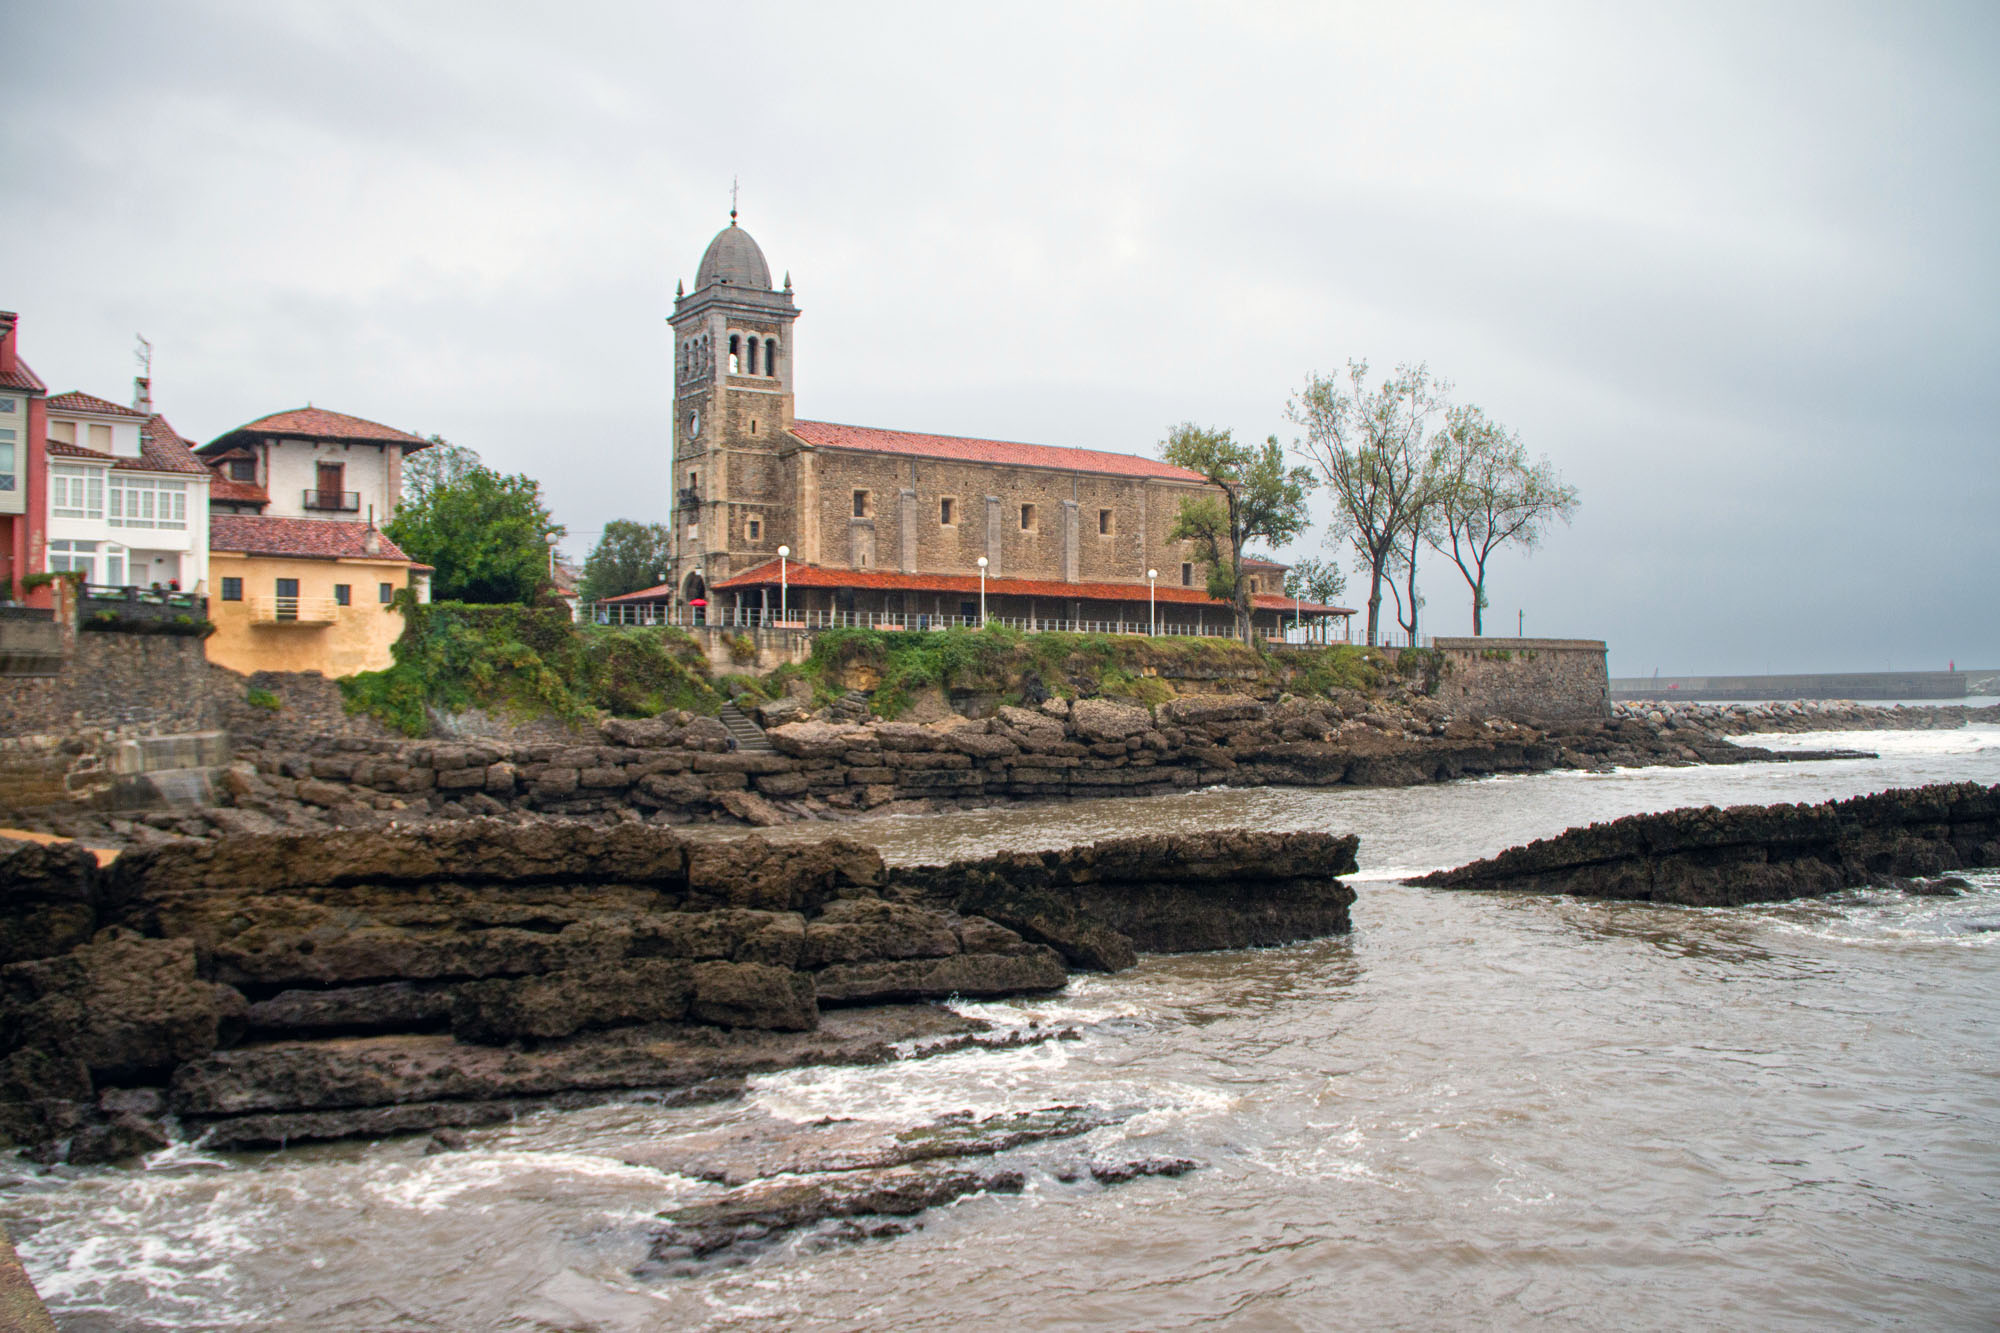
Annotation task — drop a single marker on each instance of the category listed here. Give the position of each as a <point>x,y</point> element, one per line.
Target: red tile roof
<point>63,449</point>
<point>313,538</point>
<point>161,449</point>
<point>90,402</point>
<point>222,490</point>
<point>22,378</point>
<point>812,576</point>
<point>828,435</point>
<point>316,423</point>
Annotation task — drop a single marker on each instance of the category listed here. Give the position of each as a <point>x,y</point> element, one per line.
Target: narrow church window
<point>733,342</point>
<point>752,350</point>
<point>753,425</point>
<point>770,356</point>
<point>944,511</point>
<point>1187,575</point>
<point>1104,522</point>
<point>1027,518</point>
<point>862,504</point>
<point>756,528</point>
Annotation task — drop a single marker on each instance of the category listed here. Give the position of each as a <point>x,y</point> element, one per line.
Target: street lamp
<point>982,592</point>
<point>1152,607</point>
<point>784,554</point>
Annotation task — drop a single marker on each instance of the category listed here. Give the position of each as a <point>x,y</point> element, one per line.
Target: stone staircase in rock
<point>749,736</point>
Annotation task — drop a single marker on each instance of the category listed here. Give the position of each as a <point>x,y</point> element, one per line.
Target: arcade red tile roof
<point>316,423</point>
<point>869,439</point>
<point>812,576</point>
<point>311,538</point>
<point>90,402</point>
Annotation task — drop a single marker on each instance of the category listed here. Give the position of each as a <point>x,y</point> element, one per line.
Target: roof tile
<point>869,439</point>
<point>316,423</point>
<point>90,402</point>
<point>314,538</point>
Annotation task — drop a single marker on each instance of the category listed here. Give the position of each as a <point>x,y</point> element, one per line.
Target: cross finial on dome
<point>732,201</point>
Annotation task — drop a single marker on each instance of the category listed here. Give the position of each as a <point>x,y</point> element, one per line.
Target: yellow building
<point>305,594</point>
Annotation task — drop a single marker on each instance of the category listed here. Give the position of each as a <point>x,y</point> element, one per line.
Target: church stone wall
<point>1065,543</point>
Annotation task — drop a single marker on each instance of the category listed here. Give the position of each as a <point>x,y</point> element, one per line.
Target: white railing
<point>307,611</point>
<point>750,617</point>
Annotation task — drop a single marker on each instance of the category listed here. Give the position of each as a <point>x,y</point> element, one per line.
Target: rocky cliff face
<point>269,988</point>
<point>1754,853</point>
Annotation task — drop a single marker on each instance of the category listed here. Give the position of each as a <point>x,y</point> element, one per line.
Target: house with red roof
<point>822,523</point>
<point>127,499</point>
<point>23,470</point>
<point>304,578</point>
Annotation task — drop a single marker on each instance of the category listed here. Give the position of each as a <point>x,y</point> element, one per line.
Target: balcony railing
<point>134,603</point>
<point>343,502</point>
<point>303,612</point>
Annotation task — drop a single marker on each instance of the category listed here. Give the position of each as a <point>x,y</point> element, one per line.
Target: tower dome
<point>734,258</point>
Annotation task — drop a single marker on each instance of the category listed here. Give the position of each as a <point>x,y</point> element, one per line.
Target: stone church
<point>888,526</point>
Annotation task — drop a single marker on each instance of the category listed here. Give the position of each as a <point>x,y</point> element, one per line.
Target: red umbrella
<point>698,601</point>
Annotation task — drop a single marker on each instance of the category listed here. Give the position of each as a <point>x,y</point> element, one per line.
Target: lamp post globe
<point>784,556</point>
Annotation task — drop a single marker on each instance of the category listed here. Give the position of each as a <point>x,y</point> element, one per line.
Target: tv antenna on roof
<point>143,353</point>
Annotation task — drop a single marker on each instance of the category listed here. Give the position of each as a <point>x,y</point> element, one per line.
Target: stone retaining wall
<point>1525,680</point>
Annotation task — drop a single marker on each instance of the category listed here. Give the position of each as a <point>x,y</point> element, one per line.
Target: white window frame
<point>147,502</point>
<point>74,555</point>
<point>76,492</point>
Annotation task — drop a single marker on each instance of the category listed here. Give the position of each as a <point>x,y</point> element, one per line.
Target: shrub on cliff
<point>526,662</point>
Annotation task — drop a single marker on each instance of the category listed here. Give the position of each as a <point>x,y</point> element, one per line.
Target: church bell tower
<point>732,415</point>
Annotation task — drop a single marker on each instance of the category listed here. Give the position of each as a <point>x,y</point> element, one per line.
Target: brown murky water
<point>1477,1110</point>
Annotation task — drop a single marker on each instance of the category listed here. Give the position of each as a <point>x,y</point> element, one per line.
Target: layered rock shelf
<point>1711,857</point>
<point>1747,719</point>
<point>265,989</point>
<point>678,769</point>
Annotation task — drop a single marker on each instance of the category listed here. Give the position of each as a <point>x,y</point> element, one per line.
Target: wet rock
<point>973,976</point>
<point>764,1146</point>
<point>353,1073</point>
<point>43,1096</point>
<point>123,1136</point>
<point>1118,1173</point>
<point>1100,905</point>
<point>753,995</point>
<point>764,1212</point>
<point>124,1006</point>
<point>556,1004</point>
<point>402,1006</point>
<point>851,930</point>
<point>1708,857</point>
<point>1104,720</point>
<point>444,1140</point>
<point>50,902</point>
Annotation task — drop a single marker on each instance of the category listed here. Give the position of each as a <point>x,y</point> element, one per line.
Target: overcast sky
<point>1734,268</point>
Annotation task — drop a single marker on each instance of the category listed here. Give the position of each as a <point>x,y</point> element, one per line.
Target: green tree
<point>1261,500</point>
<point>1494,495</point>
<point>1371,446</point>
<point>428,470</point>
<point>487,534</point>
<point>628,557</point>
<point>1315,580</point>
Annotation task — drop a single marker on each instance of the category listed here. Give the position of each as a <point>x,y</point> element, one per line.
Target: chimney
<point>371,542</point>
<point>8,358</point>
<point>142,393</point>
